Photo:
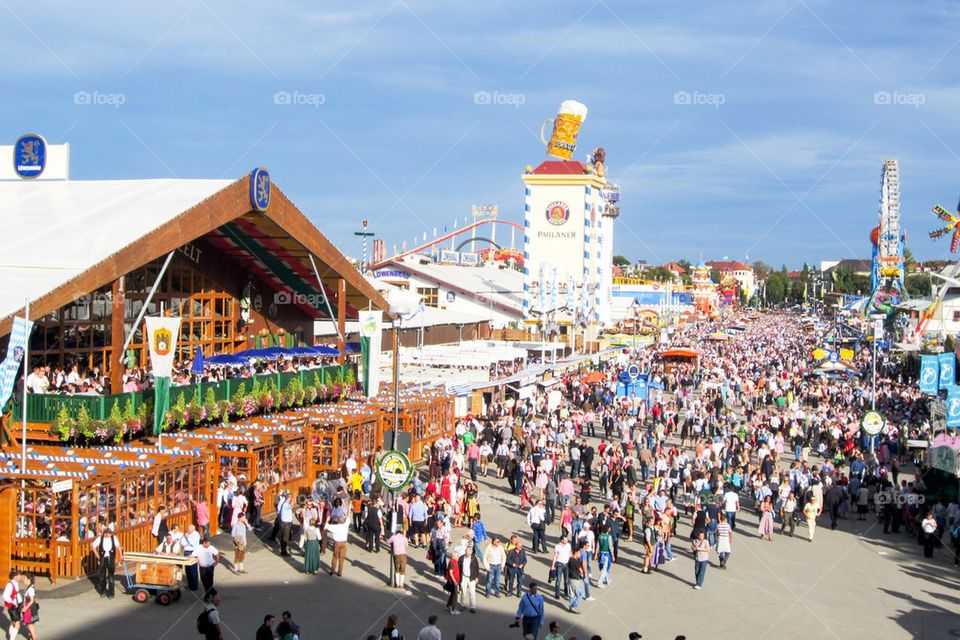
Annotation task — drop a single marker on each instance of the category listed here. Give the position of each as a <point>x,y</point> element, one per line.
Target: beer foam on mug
<point>574,108</point>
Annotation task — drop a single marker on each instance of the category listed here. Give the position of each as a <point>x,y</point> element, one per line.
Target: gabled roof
<point>729,265</point>
<point>66,239</point>
<point>560,167</point>
<point>673,266</point>
<point>54,231</point>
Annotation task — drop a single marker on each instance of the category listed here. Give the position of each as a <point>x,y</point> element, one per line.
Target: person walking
<point>494,558</point>
<point>787,512</point>
<point>928,531</point>
<point>452,585</point>
<point>311,547</point>
<point>810,512</point>
<point>398,547</point>
<point>287,627</point>
<point>12,603</point>
<point>731,505</point>
<point>285,517</point>
<point>207,559</point>
<point>561,556</point>
<point>391,631</point>
<point>604,555</point>
<point>530,612</point>
<point>701,558</point>
<point>211,628</point>
<point>239,535</point>
<point>108,553</point>
<point>536,518</point>
<point>765,529</point>
<point>577,572</point>
<point>469,575</point>
<point>724,540</point>
<point>373,521</point>
<point>31,609</point>
<point>339,530</point>
<point>516,563</point>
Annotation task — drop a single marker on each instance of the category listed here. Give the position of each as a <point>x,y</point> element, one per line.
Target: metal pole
<point>23,410</point>
<point>396,427</point>
<point>143,309</point>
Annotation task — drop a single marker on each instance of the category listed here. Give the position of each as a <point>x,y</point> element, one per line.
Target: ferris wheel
<point>888,239</point>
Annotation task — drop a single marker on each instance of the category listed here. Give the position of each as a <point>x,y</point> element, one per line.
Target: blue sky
<point>793,107</point>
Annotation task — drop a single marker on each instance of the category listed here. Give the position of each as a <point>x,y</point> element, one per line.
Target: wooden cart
<point>155,574</point>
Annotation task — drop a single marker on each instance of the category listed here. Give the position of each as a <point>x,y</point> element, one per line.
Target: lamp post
<point>364,235</point>
<point>397,310</point>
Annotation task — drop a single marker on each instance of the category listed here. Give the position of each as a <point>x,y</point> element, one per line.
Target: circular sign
<point>633,371</point>
<point>260,189</point>
<point>29,155</point>
<point>872,423</point>
<point>395,470</point>
<point>834,357</point>
<point>929,376</point>
<point>557,213</point>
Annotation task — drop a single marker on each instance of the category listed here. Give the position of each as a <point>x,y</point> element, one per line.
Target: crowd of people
<point>749,427</point>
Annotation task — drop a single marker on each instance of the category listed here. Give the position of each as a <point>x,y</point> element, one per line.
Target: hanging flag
<point>948,369</point>
<point>371,331</point>
<point>554,289</point>
<point>162,336</point>
<point>929,374</point>
<point>953,406</point>
<point>19,334</point>
<point>571,294</point>
<point>542,289</point>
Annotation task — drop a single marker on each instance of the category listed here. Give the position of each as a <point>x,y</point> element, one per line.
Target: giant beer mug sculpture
<point>566,127</point>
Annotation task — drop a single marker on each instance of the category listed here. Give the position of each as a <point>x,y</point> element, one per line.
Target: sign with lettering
<point>29,155</point>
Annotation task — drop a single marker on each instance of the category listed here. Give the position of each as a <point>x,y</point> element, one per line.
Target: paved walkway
<point>853,582</point>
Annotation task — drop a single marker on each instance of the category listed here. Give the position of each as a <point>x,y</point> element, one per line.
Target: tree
<point>761,270</point>
<point>620,261</point>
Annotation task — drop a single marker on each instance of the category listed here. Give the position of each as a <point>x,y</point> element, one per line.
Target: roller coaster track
<point>448,236</point>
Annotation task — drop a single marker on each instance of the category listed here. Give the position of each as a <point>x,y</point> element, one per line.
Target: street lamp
<point>397,309</point>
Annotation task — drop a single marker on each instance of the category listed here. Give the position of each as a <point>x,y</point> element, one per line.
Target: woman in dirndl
<point>311,548</point>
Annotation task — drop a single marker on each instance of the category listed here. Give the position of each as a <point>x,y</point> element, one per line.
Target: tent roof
<point>55,231</point>
<point>66,239</point>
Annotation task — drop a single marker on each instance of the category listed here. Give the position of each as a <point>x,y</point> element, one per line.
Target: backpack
<point>203,622</point>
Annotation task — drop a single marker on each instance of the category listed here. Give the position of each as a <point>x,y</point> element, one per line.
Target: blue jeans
<point>798,452</point>
<point>514,574</point>
<point>563,571</point>
<point>576,593</point>
<point>732,520</point>
<point>493,575</point>
<point>712,536</point>
<point>700,570</point>
<point>668,550</point>
<point>574,468</point>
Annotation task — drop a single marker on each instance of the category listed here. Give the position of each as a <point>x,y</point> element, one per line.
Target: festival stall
<point>50,511</point>
<point>276,451</point>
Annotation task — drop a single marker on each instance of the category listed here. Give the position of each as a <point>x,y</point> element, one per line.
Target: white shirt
<point>536,515</point>
<point>107,543</point>
<point>339,531</point>
<point>731,501</point>
<point>430,632</point>
<point>929,525</point>
<point>562,552</point>
<point>206,556</point>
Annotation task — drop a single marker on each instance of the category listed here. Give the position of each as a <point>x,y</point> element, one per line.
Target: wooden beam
<point>116,336</point>
<point>342,319</point>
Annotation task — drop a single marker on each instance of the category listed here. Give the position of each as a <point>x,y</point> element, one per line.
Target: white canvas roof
<point>54,231</point>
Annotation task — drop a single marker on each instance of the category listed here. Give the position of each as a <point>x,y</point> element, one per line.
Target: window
<point>429,295</point>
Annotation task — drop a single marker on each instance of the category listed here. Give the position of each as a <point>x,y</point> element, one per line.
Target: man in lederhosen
<point>107,550</point>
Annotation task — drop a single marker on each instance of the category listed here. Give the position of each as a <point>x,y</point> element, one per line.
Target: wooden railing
<point>44,407</point>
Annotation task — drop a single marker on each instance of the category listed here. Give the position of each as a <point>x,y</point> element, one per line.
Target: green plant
<point>350,378</point>
<point>64,424</point>
<point>85,426</point>
<point>211,405</point>
<point>177,416</point>
<point>241,392</point>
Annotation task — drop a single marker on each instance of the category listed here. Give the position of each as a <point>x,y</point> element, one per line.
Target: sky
<point>747,130</point>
